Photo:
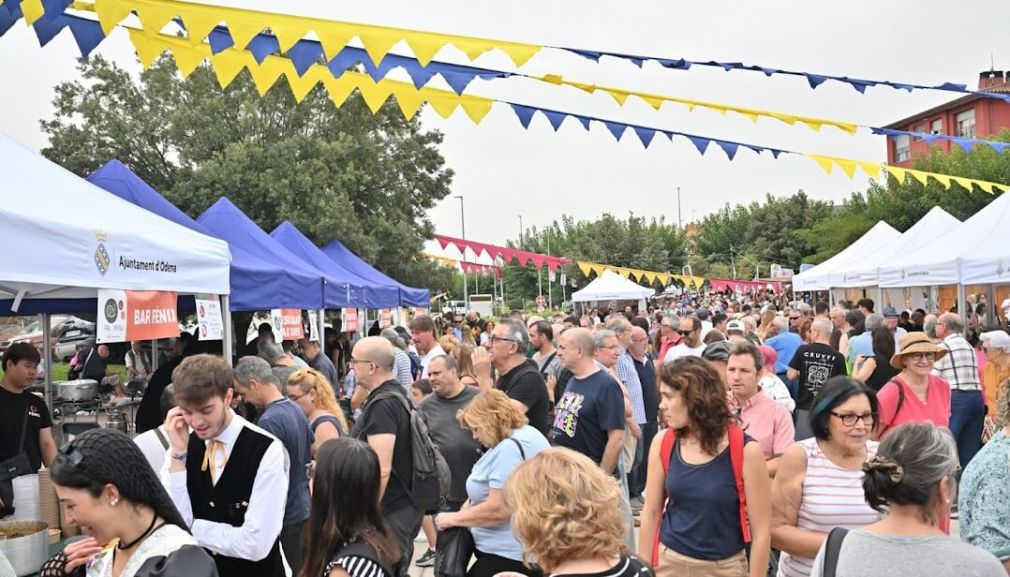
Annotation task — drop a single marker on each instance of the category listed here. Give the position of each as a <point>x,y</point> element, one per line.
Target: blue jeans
<point>967,415</point>
<point>649,431</point>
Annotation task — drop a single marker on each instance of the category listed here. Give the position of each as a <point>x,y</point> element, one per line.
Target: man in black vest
<point>226,475</point>
<point>385,425</point>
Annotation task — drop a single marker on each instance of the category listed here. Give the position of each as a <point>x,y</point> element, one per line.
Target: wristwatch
<point>180,456</point>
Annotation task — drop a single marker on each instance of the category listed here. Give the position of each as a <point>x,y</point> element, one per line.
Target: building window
<point>921,128</point>
<point>937,126</point>
<point>902,151</point>
<point>966,124</point>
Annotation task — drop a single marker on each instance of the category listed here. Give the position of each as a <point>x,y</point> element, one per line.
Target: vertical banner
<point>386,318</point>
<point>351,323</point>
<point>287,324</point>
<point>136,316</point>
<point>208,318</point>
<point>314,326</point>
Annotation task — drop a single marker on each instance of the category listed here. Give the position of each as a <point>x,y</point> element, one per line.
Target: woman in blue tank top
<point>693,522</point>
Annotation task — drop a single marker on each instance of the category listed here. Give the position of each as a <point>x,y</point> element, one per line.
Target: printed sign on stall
<point>314,326</point>
<point>385,318</point>
<point>287,324</point>
<point>208,317</point>
<point>350,323</point>
<point>136,316</point>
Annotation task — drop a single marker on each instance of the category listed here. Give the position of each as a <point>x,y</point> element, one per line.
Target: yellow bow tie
<point>208,464</point>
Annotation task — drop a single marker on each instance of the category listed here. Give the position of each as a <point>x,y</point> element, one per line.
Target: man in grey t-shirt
<point>439,410</point>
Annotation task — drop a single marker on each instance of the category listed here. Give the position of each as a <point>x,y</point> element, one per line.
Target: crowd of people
<point>708,435</point>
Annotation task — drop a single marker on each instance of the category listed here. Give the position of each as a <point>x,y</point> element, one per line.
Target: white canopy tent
<point>66,239</point>
<point>611,286</point>
<point>973,252</point>
<point>864,272</point>
<point>827,274</point>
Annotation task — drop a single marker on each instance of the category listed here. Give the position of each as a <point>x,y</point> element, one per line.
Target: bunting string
<point>243,25</point>
<point>639,275</point>
<point>813,79</point>
<point>230,61</point>
<point>306,53</point>
<point>505,253</point>
<point>200,19</point>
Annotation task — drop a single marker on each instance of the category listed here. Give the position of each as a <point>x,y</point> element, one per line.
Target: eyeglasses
<point>794,318</point>
<point>495,338</point>
<point>354,360</point>
<point>849,420</point>
<point>685,333</point>
<point>296,397</point>
<point>921,356</point>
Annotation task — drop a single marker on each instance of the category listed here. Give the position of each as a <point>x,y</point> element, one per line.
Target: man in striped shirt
<point>960,369</point>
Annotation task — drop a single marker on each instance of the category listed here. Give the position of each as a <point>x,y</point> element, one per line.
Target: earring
<point>114,502</point>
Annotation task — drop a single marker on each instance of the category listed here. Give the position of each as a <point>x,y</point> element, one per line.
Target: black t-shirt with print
<point>816,363</point>
<point>13,409</point>
<point>525,384</point>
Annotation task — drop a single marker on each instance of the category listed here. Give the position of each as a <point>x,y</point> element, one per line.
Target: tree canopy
<point>367,180</point>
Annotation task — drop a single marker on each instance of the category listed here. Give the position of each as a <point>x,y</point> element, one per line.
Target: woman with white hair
<point>913,481</point>
<point>983,500</point>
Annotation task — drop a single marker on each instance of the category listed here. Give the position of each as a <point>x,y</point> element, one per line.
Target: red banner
<point>136,315</point>
<point>507,254</point>
<point>350,324</point>
<point>742,286</point>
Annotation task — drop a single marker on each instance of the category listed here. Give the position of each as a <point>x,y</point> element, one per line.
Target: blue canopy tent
<point>409,297</point>
<point>372,295</point>
<point>227,222</point>
<point>258,282</point>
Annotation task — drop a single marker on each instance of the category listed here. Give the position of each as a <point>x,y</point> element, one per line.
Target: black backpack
<point>429,485</point>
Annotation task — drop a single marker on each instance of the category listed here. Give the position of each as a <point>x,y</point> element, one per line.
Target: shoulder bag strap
<point>831,550</point>
<point>736,456</point>
<point>24,426</point>
<point>665,455</point>
<point>522,453</point>
<point>161,438</point>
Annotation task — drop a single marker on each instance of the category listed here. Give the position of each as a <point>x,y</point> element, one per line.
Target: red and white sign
<point>351,323</point>
<point>209,319</point>
<point>385,318</point>
<point>289,321</point>
<point>136,316</point>
<point>541,302</point>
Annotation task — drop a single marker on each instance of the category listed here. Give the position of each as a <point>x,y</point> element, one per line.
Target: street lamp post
<point>462,225</point>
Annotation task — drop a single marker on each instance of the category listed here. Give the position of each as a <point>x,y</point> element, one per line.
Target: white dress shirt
<point>436,351</point>
<point>264,517</point>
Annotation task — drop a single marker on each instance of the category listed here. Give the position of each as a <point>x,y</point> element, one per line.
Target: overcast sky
<point>503,171</point>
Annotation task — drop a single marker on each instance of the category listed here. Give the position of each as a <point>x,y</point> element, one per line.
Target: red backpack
<point>736,444</point>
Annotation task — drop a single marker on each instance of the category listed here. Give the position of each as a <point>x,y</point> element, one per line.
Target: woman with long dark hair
<point>133,529</point>
<point>876,371</point>
<point>707,495</point>
<point>346,535</point>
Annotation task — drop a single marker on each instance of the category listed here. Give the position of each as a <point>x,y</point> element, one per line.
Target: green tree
<point>343,173</point>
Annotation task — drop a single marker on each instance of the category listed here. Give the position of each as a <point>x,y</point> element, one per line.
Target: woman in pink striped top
<point>819,481</point>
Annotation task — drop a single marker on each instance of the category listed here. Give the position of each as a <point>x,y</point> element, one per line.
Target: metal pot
<point>116,419</point>
<point>27,551</point>
<point>79,390</point>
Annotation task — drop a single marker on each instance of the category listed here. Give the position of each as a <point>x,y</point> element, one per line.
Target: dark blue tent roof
<point>409,297</point>
<point>258,282</point>
<point>369,294</point>
<point>226,221</point>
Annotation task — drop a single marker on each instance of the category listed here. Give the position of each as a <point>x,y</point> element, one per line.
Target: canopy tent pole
<point>321,328</point>
<point>960,306</point>
<point>229,338</point>
<point>880,297</point>
<point>47,354</point>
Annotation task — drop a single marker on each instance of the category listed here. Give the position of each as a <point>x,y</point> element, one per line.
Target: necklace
<point>131,544</point>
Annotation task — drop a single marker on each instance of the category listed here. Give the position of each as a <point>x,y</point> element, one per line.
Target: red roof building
<point>970,116</point>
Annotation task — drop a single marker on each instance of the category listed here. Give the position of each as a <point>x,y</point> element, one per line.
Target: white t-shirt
<point>777,391</point>
<point>434,352</point>
<point>151,446</point>
<point>683,350</point>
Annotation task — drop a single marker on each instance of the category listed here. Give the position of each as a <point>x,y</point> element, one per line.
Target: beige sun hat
<point>916,342</point>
